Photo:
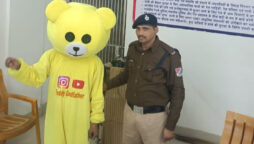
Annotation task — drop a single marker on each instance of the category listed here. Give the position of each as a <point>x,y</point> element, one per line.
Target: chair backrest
<point>3,95</point>
<point>238,129</point>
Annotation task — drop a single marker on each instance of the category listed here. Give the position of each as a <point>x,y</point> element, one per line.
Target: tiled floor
<point>30,137</point>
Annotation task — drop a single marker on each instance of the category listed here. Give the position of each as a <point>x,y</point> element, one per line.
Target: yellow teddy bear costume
<point>77,32</point>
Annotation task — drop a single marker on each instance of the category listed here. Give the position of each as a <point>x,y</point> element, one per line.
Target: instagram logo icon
<point>63,82</point>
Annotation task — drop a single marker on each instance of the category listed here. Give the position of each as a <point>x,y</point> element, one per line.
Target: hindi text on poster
<point>229,17</point>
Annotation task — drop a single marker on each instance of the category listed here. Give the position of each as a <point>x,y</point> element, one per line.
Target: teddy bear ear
<point>108,16</point>
<point>55,8</point>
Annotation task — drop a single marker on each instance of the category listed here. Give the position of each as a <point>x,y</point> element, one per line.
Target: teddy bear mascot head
<point>78,30</point>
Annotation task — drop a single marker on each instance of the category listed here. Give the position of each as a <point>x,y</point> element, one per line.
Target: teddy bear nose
<point>76,49</point>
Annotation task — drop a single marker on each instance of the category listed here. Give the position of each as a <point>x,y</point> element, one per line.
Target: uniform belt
<point>145,110</point>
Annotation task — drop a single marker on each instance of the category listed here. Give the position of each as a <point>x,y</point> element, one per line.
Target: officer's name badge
<point>179,71</point>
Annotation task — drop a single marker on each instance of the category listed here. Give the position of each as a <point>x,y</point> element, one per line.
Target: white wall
<point>4,27</point>
<point>218,74</point>
<point>24,35</point>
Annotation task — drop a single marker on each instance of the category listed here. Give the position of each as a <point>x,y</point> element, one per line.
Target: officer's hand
<point>12,63</point>
<point>167,135</point>
<point>105,87</point>
<point>93,131</point>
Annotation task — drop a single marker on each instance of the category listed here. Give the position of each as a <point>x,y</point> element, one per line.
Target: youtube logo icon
<point>78,84</point>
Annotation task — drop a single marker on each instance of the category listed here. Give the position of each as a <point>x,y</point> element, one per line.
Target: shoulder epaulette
<point>174,51</point>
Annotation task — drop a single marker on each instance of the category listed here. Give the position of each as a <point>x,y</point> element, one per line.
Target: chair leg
<point>38,136</point>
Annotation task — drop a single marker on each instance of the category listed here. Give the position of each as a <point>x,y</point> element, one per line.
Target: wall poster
<point>233,17</point>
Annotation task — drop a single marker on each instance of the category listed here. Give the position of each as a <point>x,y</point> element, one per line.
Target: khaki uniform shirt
<point>147,86</point>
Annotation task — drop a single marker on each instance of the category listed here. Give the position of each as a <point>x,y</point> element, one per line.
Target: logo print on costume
<point>179,71</point>
<point>78,84</point>
<point>63,82</point>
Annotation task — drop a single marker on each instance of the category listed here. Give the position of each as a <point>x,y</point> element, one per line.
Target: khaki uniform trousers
<point>143,128</point>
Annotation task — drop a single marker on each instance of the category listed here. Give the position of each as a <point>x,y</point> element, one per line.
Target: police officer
<point>153,74</point>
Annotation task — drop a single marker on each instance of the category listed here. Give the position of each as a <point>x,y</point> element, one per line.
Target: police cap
<point>145,19</point>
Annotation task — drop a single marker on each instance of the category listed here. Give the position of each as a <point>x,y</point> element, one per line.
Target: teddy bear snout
<point>76,49</point>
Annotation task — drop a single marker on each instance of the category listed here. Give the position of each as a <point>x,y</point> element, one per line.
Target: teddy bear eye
<point>86,38</point>
<point>69,36</point>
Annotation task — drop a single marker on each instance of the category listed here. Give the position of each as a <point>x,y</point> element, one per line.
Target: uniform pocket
<point>151,74</point>
<point>147,73</point>
<point>131,65</point>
